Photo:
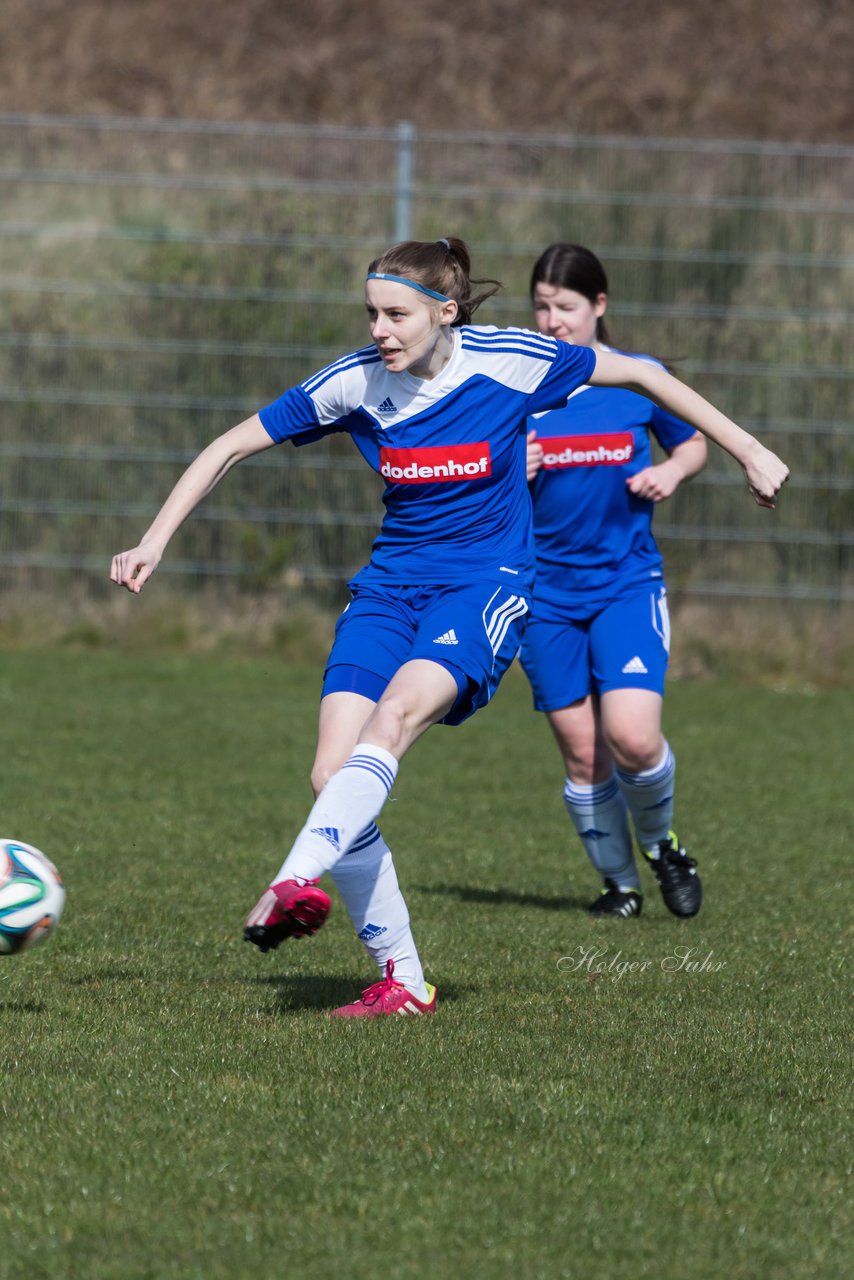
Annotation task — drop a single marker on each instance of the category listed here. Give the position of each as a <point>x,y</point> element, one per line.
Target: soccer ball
<point>31,896</point>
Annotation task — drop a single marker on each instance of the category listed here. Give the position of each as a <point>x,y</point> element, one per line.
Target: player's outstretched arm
<point>133,568</point>
<point>764,471</point>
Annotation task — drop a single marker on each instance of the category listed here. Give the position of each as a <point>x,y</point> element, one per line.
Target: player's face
<point>567,315</point>
<point>410,331</point>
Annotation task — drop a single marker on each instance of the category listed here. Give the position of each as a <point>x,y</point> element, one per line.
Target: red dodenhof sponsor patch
<point>453,462</point>
<point>612,450</point>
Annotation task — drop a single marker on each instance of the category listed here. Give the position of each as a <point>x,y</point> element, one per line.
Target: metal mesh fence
<point>160,280</point>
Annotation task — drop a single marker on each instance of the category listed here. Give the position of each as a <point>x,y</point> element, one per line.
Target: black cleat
<point>677,877</point>
<point>613,901</point>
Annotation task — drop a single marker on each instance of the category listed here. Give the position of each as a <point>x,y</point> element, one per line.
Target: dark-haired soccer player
<point>596,651</point>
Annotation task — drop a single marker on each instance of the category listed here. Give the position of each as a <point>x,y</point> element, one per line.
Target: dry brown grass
<point>778,643</point>
<point>214,620</point>
<point>737,68</point>
<point>774,643</point>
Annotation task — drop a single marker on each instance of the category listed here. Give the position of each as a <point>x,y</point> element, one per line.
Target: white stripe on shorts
<point>663,630</point>
<point>499,622</point>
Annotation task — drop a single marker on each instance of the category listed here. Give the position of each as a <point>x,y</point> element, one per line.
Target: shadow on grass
<point>300,992</point>
<point>506,897</point>
<point>21,1006</point>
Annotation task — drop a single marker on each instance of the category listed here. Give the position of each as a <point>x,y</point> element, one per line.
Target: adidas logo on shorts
<point>450,637</point>
<point>635,668</point>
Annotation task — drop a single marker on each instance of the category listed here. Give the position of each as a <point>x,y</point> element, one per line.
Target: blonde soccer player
<point>438,407</point>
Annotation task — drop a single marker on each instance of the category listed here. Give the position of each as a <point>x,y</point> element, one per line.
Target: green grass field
<point>587,1103</point>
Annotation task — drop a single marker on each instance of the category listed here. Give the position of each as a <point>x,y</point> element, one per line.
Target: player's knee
<point>580,766</point>
<point>587,760</point>
<point>636,749</point>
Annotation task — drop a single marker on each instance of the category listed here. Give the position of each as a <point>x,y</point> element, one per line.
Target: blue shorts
<point>624,646</point>
<point>472,631</point>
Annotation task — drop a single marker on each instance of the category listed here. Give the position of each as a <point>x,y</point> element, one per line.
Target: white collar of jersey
<point>402,395</point>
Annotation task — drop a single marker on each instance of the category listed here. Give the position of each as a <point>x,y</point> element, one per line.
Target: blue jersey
<point>450,448</point>
<point>593,536</point>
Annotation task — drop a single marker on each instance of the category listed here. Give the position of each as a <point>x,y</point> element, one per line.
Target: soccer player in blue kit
<point>597,647</point>
<point>439,407</point>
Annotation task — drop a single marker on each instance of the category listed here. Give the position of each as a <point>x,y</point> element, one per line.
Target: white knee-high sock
<point>649,796</point>
<point>599,815</point>
<point>367,882</point>
<point>348,803</point>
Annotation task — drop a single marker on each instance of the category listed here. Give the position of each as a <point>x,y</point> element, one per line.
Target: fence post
<point>405,156</point>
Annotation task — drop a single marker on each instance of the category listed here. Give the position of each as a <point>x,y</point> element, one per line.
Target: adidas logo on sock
<point>635,668</point>
<point>372,931</point>
<point>450,637</point>
<point>387,406</point>
<point>328,833</point>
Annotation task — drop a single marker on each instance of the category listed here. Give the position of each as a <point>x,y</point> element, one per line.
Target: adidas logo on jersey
<point>328,833</point>
<point>450,637</point>
<point>635,668</point>
<point>387,406</point>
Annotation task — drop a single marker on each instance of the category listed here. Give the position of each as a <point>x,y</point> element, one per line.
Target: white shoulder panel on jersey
<point>517,358</point>
<point>340,388</point>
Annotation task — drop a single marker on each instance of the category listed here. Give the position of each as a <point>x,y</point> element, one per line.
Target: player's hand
<point>655,483</point>
<point>766,474</point>
<point>133,568</point>
<point>533,456</point>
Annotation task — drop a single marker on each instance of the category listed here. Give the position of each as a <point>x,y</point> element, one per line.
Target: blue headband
<point>431,293</point>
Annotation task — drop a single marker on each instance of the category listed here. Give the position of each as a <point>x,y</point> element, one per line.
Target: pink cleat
<point>288,909</point>
<point>386,996</point>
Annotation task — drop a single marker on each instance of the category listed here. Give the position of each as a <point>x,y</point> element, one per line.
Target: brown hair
<point>441,265</point>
